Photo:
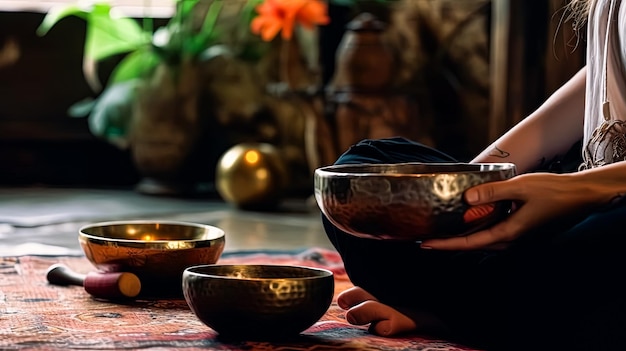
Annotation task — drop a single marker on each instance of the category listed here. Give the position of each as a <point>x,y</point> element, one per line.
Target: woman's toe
<point>353,296</point>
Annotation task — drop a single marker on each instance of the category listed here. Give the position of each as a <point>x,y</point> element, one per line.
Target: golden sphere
<point>251,175</point>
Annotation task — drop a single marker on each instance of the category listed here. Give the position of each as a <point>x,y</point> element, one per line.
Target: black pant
<point>560,289</point>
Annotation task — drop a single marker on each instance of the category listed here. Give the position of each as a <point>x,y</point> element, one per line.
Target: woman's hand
<point>538,198</point>
<point>363,308</point>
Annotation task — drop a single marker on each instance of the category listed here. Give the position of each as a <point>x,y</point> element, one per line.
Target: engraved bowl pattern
<point>258,301</point>
<point>156,251</point>
<point>406,201</point>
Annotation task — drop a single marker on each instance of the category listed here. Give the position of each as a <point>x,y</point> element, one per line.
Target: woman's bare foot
<point>363,308</point>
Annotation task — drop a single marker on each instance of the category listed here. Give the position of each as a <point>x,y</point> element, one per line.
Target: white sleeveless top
<point>604,139</point>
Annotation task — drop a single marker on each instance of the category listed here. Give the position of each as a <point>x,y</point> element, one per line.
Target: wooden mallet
<point>112,286</point>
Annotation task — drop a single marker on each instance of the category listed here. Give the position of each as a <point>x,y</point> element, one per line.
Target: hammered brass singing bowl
<point>156,251</point>
<point>408,201</point>
<point>258,301</point>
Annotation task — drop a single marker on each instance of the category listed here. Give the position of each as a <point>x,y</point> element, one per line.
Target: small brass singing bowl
<point>258,301</point>
<point>156,251</point>
<point>408,201</point>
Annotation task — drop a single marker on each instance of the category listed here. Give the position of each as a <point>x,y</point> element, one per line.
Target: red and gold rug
<point>35,315</point>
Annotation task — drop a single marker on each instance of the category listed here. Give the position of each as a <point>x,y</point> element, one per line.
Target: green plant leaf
<point>109,35</point>
<point>135,65</point>
<point>208,34</point>
<point>112,112</point>
<point>185,7</point>
<point>56,14</point>
<point>210,20</point>
<point>214,51</point>
<point>82,108</point>
<point>248,12</point>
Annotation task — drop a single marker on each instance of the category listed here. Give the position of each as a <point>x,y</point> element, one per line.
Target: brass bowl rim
<point>339,170</point>
<point>192,271</point>
<point>219,233</point>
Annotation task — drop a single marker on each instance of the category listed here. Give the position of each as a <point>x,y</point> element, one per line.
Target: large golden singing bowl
<point>408,201</point>
<point>258,301</point>
<point>156,251</point>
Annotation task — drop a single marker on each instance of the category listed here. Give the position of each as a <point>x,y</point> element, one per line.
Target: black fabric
<point>559,290</point>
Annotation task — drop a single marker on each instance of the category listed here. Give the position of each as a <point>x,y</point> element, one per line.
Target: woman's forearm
<point>549,131</point>
<point>599,185</point>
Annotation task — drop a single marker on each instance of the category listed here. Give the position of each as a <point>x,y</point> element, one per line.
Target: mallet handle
<point>113,285</point>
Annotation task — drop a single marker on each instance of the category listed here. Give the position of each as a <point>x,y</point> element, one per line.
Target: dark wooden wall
<point>39,142</point>
<point>533,53</point>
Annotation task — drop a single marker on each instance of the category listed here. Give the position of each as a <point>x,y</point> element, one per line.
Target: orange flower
<point>277,15</point>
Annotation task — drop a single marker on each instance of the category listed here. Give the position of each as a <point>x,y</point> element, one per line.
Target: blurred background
<point>451,74</point>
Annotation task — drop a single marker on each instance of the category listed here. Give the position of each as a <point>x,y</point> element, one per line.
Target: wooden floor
<point>45,221</point>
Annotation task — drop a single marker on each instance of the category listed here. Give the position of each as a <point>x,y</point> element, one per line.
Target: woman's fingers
<point>481,199</point>
<point>495,238</point>
<point>490,192</point>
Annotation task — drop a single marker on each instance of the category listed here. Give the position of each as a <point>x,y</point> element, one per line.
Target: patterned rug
<point>35,315</point>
